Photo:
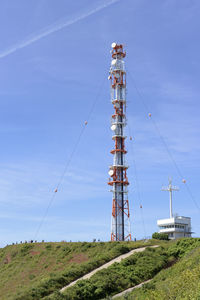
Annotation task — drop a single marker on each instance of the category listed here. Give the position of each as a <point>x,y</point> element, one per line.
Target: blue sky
<point>47,89</point>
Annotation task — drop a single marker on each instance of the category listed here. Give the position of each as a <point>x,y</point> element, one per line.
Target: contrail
<point>51,29</point>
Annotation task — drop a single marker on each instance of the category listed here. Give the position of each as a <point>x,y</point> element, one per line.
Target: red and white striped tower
<point>120,226</point>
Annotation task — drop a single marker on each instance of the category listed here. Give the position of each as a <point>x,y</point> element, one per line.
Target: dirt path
<point>130,289</point>
<point>117,259</point>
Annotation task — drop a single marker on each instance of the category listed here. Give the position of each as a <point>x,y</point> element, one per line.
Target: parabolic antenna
<point>111,172</point>
<point>117,105</point>
<point>113,62</point>
<point>113,127</point>
<point>113,45</point>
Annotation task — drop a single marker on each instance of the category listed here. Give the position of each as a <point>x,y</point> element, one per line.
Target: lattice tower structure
<point>120,223</point>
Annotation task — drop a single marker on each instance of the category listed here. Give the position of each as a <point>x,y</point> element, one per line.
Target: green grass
<point>180,282</point>
<point>120,276</point>
<point>32,271</point>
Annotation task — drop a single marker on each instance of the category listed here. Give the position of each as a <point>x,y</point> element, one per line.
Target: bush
<point>48,247</point>
<point>181,281</point>
<point>31,276</point>
<point>184,246</point>
<point>66,250</point>
<point>120,249</point>
<point>160,236</point>
<point>131,271</point>
<point>57,260</point>
<point>25,249</point>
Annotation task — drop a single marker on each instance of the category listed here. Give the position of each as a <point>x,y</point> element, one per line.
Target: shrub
<point>31,276</point>
<point>120,276</point>
<point>160,236</point>
<point>181,281</point>
<point>66,250</point>
<point>48,247</point>
<point>66,271</point>
<point>120,249</point>
<point>184,246</point>
<point>26,248</point>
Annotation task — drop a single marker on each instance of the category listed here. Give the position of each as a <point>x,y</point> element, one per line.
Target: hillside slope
<point>181,281</point>
<point>32,271</point>
<point>131,271</point>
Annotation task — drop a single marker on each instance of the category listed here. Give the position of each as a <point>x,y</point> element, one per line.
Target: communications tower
<point>120,225</point>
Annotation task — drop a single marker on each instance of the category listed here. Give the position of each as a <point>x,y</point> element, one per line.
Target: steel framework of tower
<point>120,226</point>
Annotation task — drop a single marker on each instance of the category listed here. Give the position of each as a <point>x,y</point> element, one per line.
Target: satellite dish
<point>117,105</point>
<point>111,172</point>
<point>113,45</point>
<point>113,62</point>
<point>113,127</point>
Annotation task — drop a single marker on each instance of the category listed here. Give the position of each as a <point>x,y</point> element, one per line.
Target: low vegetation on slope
<point>180,282</point>
<point>32,271</point>
<point>119,276</point>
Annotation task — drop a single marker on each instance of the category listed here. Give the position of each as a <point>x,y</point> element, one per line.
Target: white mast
<point>169,189</point>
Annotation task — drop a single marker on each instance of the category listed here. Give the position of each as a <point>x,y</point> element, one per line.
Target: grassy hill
<point>181,281</point>
<point>40,270</point>
<point>131,271</point>
<point>32,271</point>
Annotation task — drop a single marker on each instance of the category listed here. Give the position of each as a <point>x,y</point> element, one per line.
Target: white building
<point>175,226</point>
